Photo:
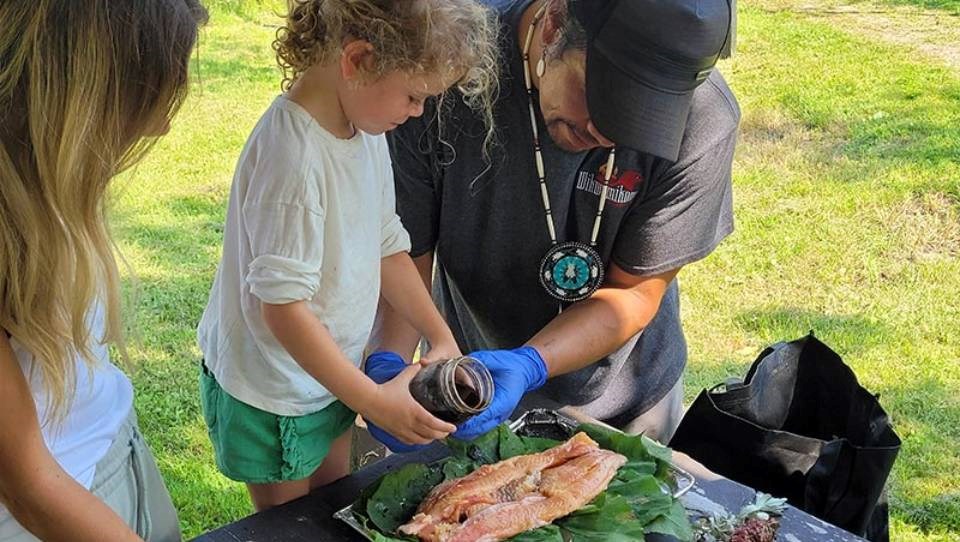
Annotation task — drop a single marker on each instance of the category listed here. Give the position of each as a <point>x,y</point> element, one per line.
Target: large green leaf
<point>377,537</point>
<point>457,467</point>
<point>635,447</point>
<point>483,449</point>
<point>399,493</point>
<point>643,492</point>
<point>510,444</point>
<point>675,523</point>
<point>538,444</point>
<point>609,517</point>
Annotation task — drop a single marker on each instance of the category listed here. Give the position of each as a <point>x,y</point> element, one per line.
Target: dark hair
<point>571,35</point>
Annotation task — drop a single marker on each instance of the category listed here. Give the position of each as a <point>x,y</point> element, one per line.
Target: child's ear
<point>357,57</point>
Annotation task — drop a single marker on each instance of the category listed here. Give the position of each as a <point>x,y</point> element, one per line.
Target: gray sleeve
<point>687,210</point>
<point>417,173</point>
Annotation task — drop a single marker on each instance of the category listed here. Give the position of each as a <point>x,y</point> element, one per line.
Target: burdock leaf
<point>675,523</point>
<point>399,494</point>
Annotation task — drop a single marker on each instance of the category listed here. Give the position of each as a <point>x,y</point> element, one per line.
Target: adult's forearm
<point>591,329</point>
<point>34,488</point>
<point>588,331</point>
<point>55,507</point>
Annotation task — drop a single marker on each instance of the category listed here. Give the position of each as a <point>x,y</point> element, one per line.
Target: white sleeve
<point>286,246</point>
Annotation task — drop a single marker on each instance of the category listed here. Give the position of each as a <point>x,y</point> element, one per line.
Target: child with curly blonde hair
<point>312,240</point>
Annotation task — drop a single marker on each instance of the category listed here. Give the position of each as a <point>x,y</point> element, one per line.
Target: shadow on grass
<point>926,411</point>
<point>854,127</point>
<point>906,127</point>
<point>847,334</point>
<point>189,240</point>
<point>948,6</point>
<point>940,514</point>
<point>884,145</point>
<point>169,409</point>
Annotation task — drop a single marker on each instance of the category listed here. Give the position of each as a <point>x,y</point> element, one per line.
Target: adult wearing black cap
<point>557,255</point>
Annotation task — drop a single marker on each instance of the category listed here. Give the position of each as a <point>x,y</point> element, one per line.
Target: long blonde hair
<point>81,84</point>
<point>437,37</point>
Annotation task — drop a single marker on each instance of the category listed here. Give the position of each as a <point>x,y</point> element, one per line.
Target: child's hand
<point>395,411</point>
<point>442,351</point>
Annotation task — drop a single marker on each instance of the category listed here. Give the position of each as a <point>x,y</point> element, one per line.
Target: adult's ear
<point>355,59</point>
<point>553,22</point>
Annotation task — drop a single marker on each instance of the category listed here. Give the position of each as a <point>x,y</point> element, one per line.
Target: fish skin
<point>591,473</point>
<point>450,500</point>
<point>501,521</point>
<point>515,495</point>
<point>563,490</point>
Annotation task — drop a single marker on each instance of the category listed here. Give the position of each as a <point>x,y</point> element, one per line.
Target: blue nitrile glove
<point>382,367</point>
<point>515,372</point>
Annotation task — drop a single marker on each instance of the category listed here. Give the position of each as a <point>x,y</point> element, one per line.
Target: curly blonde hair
<point>455,39</point>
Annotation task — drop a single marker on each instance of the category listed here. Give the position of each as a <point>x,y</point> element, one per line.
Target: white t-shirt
<point>309,219</point>
<point>101,404</point>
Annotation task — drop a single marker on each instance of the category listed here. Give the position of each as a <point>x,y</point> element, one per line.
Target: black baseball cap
<point>644,60</point>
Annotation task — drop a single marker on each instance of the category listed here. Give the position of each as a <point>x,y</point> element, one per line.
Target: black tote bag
<point>800,426</point>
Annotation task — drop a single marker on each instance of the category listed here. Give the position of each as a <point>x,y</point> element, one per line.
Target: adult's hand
<point>381,367</point>
<point>515,372</point>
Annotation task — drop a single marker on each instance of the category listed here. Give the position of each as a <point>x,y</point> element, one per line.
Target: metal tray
<point>543,423</point>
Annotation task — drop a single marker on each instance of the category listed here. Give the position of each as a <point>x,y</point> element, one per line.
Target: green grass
<point>949,6</point>
<point>847,189</point>
<point>168,218</point>
<point>848,223</point>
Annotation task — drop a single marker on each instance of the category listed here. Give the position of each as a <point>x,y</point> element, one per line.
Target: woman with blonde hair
<point>85,87</point>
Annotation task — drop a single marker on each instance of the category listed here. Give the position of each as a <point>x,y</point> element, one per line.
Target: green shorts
<point>258,447</point>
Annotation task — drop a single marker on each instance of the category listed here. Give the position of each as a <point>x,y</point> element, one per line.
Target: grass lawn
<point>950,6</point>
<point>847,184</point>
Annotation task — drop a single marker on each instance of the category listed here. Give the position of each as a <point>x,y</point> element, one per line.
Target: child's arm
<point>388,405</point>
<point>402,287</point>
<point>43,498</point>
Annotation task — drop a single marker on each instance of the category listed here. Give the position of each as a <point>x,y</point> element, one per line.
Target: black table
<point>311,518</point>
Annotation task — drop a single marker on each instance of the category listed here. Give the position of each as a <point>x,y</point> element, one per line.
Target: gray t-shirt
<point>484,217</point>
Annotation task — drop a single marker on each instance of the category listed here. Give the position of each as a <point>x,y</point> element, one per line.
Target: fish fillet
<point>524,492</point>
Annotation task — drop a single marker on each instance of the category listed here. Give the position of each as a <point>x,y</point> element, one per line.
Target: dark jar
<point>453,390</point>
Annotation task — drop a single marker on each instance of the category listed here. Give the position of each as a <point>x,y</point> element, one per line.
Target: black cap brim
<point>633,114</point>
